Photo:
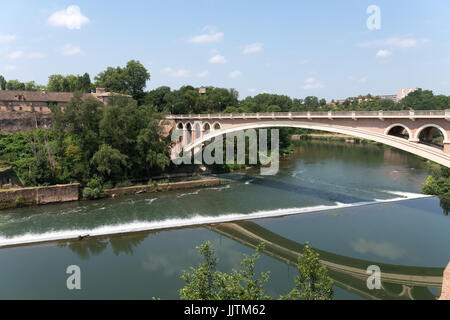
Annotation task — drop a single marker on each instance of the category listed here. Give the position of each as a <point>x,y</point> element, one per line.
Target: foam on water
<point>137,226</point>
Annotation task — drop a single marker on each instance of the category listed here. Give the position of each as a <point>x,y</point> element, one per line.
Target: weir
<point>141,226</point>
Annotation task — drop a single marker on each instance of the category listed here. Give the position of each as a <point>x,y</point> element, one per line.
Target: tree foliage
<point>130,80</point>
<point>207,283</point>
<point>312,282</point>
<point>70,83</point>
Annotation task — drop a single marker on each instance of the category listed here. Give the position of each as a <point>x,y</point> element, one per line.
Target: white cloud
<point>252,90</point>
<point>70,50</point>
<point>71,18</point>
<point>15,55</point>
<point>181,73</point>
<point>234,74</point>
<point>203,74</point>
<point>381,249</point>
<point>7,38</point>
<point>217,59</point>
<point>384,53</point>
<point>360,80</point>
<point>210,35</point>
<point>394,42</point>
<point>253,48</point>
<point>304,61</point>
<point>312,83</point>
<point>9,67</point>
<point>36,55</point>
<point>363,80</point>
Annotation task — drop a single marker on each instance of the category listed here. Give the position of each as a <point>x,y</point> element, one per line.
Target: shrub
<point>93,190</point>
<point>438,183</point>
<point>124,184</point>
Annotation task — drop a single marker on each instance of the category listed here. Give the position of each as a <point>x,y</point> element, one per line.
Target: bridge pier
<point>447,147</point>
<point>446,285</point>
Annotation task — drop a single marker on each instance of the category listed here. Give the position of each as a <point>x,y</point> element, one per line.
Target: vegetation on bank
<point>207,283</point>
<point>102,147</point>
<point>438,184</point>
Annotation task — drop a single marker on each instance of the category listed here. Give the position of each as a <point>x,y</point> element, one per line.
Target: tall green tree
<point>109,162</point>
<point>69,83</point>
<point>207,283</point>
<point>312,282</point>
<point>2,83</point>
<point>15,85</point>
<point>130,80</point>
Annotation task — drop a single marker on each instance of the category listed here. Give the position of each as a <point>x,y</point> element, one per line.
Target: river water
<point>357,205</point>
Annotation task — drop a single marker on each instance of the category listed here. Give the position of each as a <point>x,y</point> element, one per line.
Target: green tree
<point>438,183</point>
<point>157,98</point>
<point>2,83</point>
<point>419,100</point>
<point>207,283</point>
<point>313,282</point>
<point>109,163</point>
<point>80,120</point>
<point>69,83</point>
<point>130,80</point>
<point>15,85</point>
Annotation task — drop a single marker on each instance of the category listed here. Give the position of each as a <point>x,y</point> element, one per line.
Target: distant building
<point>39,101</point>
<point>403,92</point>
<point>392,97</point>
<point>396,98</point>
<point>202,90</point>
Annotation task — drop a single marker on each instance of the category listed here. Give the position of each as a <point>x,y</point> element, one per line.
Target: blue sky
<point>298,48</point>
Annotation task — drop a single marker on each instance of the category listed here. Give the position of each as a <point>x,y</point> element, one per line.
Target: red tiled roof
<point>38,96</point>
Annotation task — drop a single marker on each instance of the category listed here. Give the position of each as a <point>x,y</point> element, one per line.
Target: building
<point>403,92</point>
<point>39,101</point>
<point>392,97</point>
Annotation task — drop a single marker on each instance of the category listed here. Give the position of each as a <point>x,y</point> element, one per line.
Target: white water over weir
<point>140,226</point>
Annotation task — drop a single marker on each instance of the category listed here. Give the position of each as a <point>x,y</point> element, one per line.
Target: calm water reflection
<point>409,239</point>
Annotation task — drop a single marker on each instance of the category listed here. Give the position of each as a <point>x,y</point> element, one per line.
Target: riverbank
<point>162,187</point>
<point>330,137</point>
<point>25,197</point>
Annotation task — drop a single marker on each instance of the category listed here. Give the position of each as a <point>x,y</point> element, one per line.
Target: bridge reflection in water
<point>398,282</point>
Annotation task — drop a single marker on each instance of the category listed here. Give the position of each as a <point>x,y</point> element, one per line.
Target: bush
<point>438,183</point>
<point>93,190</point>
<point>207,283</point>
<point>124,184</point>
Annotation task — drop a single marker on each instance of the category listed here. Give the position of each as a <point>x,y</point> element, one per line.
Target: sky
<point>326,48</point>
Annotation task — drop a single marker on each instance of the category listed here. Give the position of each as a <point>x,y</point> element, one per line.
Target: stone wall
<point>163,187</point>
<point>446,284</point>
<point>12,122</point>
<point>12,198</point>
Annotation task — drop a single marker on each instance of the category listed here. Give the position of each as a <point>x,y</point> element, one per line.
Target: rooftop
<point>46,96</point>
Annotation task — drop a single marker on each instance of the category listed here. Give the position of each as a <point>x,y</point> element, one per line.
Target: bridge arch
<point>431,153</point>
<point>189,129</point>
<point>426,126</point>
<point>389,130</point>
<point>217,126</point>
<point>206,128</point>
<point>197,130</point>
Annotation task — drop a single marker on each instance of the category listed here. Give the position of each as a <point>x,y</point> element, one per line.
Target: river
<point>357,205</point>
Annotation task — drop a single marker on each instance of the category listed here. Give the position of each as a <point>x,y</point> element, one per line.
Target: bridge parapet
<point>401,114</point>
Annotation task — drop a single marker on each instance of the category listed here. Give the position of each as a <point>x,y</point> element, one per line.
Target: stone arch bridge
<point>411,131</point>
